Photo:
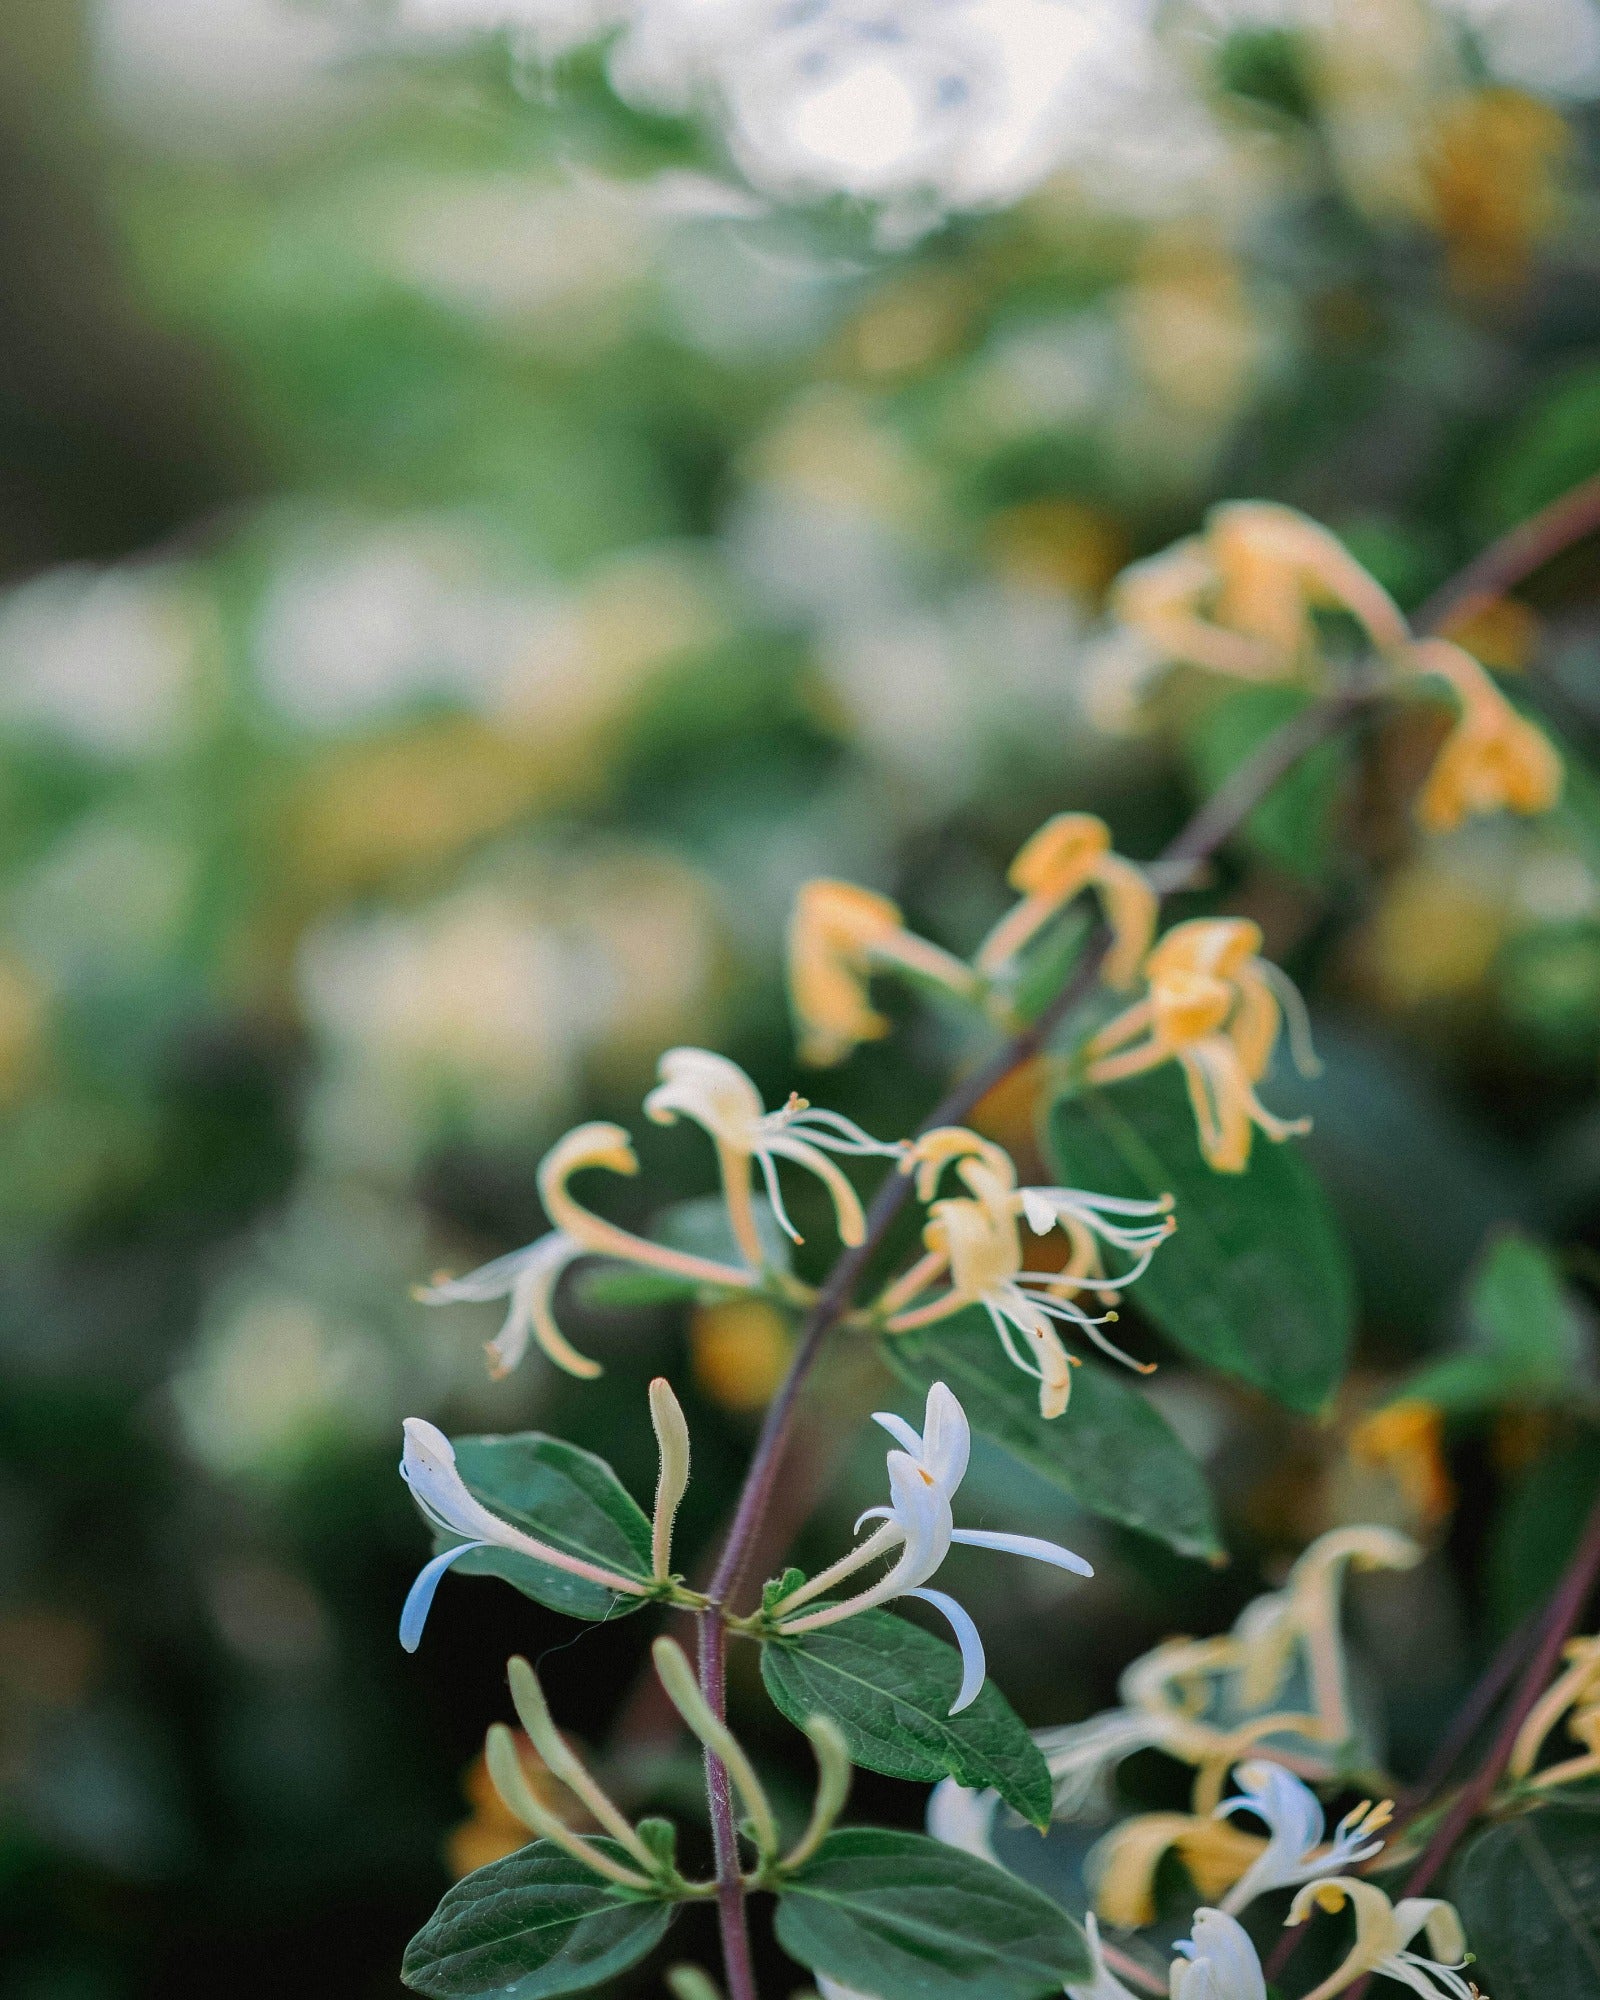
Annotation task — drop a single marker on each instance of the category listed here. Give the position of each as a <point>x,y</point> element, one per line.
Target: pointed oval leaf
<point>565,1496</point>
<point>1529,1895</point>
<point>889,1686</point>
<point>904,1917</point>
<point>1112,1451</point>
<point>1256,1281</point>
<point>536,1923</point>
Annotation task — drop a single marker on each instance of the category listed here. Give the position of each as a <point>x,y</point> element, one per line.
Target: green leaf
<point>777,1588</point>
<point>631,1285</point>
<point>1529,1895</point>
<point>701,1227</point>
<point>1539,1526</point>
<point>536,1923</point>
<point>906,1918</point>
<point>565,1496</point>
<point>1256,1281</point>
<point>1528,1344</point>
<point>1293,825</point>
<point>889,1686</point>
<point>1112,1451</point>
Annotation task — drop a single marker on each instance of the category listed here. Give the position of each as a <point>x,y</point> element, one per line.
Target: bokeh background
<point>492,495</point>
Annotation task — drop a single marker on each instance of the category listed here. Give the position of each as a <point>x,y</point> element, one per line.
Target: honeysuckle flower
<point>1214,1006</point>
<point>923,1477</point>
<point>1122,1866</point>
<point>1300,1625</point>
<point>1218,1854</point>
<point>839,935</point>
<point>1217,1961</point>
<point>962,1817</point>
<point>1238,599</point>
<point>1384,1932</point>
<point>1576,1695</point>
<point>428,1467</point>
<point>527,1277</point>
<point>1102,1983</point>
<point>1069,854</point>
<point>974,1239</point>
<point>1493,760</point>
<point>1297,1848</point>
<point>718,1096</point>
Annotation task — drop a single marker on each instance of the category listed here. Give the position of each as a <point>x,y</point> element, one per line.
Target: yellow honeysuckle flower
<point>1068,854</point>
<point>1576,1695</point>
<point>1302,1619</point>
<point>1123,1865</point>
<point>1405,1440</point>
<point>1384,1932</point>
<point>719,1097</point>
<point>527,1277</point>
<point>1493,760</point>
<point>839,935</point>
<point>1208,1702</point>
<point>1238,598</point>
<point>1214,1006</point>
<point>976,1240</point>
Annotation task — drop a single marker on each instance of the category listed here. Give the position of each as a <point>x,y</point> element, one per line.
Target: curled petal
<point>846,1202</point>
<point>602,1145</point>
<point>974,1665</point>
<point>419,1598</point>
<point>710,1089</point>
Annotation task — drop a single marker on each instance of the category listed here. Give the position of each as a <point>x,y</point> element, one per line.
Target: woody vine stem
<point>1500,568</point>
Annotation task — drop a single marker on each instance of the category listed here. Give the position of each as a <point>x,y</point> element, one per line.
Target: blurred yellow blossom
<point>1432,936</point>
<point>1492,760</point>
<point>492,1830</point>
<point>1191,326</point>
<point>1492,170</point>
<point>1405,1442</point>
<point>1239,598</point>
<point>1069,854</point>
<point>739,1350</point>
<point>839,935</point>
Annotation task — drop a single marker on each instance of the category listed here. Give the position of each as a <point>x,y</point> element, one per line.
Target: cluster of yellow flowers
<point>1241,599</point>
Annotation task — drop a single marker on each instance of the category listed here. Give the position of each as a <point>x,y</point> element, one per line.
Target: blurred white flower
<point>470,999</point>
<point>106,660</point>
<point>275,1372</point>
<point>360,622</point>
<point>220,75</point>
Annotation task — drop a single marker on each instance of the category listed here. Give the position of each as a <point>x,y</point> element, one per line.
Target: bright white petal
<point>900,1431</point>
<point>973,1663</point>
<point>1024,1545</point>
<point>963,1818</point>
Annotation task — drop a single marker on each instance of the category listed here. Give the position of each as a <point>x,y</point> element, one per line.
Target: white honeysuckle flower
<point>719,1097</point>
<point>922,1482</point>
<point>528,1276</point>
<point>1217,1961</point>
<point>1384,1934</point>
<point>830,1989</point>
<point>964,1818</point>
<point>1296,1827</point>
<point>975,1238</point>
<point>1102,1983</point>
<point>428,1467</point>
